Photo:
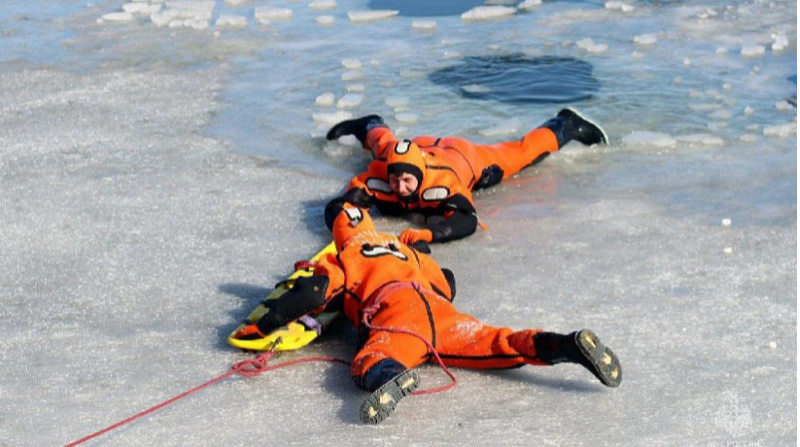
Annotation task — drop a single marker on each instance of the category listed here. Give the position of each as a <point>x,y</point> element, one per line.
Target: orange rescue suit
<point>452,168</point>
<point>400,287</point>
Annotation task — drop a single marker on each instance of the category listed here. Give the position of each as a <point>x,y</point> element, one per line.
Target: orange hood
<point>350,221</point>
<point>406,157</point>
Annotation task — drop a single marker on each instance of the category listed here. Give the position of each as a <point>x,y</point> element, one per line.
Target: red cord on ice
<point>245,368</point>
<point>260,363</point>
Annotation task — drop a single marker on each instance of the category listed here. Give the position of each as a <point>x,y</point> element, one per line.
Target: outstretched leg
<point>468,343</point>
<point>499,161</point>
<point>384,363</point>
<point>502,160</point>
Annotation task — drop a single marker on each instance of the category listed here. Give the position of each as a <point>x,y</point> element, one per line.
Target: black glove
<point>307,294</point>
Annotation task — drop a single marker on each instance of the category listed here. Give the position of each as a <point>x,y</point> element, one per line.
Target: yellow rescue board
<point>294,335</point>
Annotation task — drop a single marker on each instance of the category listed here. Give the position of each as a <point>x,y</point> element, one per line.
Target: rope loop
<point>255,366</point>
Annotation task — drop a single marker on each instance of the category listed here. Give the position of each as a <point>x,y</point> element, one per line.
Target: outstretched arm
<point>460,221</point>
<point>355,195</point>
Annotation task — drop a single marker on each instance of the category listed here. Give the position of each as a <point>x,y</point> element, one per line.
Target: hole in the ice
<point>430,8</point>
<point>426,8</point>
<point>520,79</point>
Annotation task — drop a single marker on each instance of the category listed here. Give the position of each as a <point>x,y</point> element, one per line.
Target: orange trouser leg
<point>461,340</point>
<point>405,309</point>
<point>380,141</point>
<point>513,156</point>
<point>510,156</point>
<point>469,159</point>
<point>466,342</point>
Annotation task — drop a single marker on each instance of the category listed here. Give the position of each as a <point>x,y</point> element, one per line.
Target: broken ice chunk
<point>488,12</point>
<point>369,16</point>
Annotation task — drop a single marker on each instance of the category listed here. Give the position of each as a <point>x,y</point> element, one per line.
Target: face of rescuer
<point>403,184</point>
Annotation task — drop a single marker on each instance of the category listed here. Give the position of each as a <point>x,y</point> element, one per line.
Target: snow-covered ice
<point>163,165</point>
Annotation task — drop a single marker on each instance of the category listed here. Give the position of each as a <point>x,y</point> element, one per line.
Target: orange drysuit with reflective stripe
<point>399,287</point>
<point>452,168</point>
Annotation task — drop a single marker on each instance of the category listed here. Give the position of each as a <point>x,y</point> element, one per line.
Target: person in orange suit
<point>400,302</point>
<point>437,176</point>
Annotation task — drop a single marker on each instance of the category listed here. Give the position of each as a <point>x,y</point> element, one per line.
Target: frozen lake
<point>162,165</point>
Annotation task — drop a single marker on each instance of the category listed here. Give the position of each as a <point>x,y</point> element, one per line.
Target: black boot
<point>379,374</point>
<point>582,347</point>
<point>391,382</point>
<point>358,127</point>
<point>570,125</point>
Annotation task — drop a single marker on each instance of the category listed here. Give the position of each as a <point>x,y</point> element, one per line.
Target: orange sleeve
<point>359,182</point>
<point>329,266</point>
<point>374,181</point>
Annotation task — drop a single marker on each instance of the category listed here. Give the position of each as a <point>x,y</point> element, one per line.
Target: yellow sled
<point>294,335</point>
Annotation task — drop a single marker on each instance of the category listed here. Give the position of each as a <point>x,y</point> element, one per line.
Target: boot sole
<point>605,364</point>
<point>596,126</point>
<point>382,402</point>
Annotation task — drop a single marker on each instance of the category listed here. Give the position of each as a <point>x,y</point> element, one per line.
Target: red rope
<point>259,364</point>
<point>245,368</point>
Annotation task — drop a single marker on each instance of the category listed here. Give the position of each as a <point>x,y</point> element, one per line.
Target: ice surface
<point>156,182</point>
